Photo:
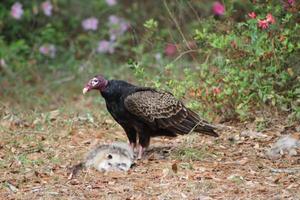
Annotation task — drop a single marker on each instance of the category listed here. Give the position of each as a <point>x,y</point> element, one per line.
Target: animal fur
<point>287,144</point>
<point>117,156</point>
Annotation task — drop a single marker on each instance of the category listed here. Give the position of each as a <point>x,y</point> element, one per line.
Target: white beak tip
<point>85,90</point>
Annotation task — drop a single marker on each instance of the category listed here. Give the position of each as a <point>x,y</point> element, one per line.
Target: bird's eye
<point>94,82</point>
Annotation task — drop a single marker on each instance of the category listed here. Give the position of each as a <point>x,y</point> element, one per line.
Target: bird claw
<point>133,146</point>
<point>139,151</point>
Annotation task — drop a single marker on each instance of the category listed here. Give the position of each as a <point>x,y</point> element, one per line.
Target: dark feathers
<point>145,112</point>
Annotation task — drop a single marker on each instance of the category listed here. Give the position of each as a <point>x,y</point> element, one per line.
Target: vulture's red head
<point>96,83</point>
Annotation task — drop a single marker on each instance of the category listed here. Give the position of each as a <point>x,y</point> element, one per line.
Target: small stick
<point>289,171</point>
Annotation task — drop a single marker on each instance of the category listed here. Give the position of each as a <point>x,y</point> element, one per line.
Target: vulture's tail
<point>200,125</point>
<point>186,122</point>
<point>206,129</point>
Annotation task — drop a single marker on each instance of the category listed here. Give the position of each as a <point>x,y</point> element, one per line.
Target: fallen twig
<point>11,187</point>
<point>289,171</point>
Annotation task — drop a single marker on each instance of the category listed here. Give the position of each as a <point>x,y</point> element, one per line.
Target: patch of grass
<point>55,160</point>
<point>190,153</point>
<point>262,123</point>
<point>237,179</point>
<point>203,185</point>
<point>186,165</point>
<point>24,160</point>
<point>2,164</point>
<point>208,185</point>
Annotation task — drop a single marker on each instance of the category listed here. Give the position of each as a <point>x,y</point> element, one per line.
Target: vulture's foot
<point>140,152</point>
<point>133,146</point>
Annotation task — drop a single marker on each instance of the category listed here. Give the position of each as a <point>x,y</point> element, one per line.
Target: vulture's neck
<point>108,91</point>
<point>115,89</point>
<point>112,91</point>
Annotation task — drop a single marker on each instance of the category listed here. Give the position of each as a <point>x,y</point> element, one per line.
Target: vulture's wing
<point>163,110</point>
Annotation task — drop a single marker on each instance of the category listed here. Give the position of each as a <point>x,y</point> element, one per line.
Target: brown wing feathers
<point>151,105</point>
<point>166,112</point>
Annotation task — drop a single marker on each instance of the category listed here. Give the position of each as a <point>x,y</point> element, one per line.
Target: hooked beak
<point>85,90</point>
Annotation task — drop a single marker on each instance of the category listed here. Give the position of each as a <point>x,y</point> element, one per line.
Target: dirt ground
<point>38,149</point>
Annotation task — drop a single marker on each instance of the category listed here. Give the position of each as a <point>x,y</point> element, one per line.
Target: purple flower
<point>48,50</point>
<point>47,8</point>
<point>17,10</point>
<point>288,3</point>
<point>218,8</point>
<point>90,24</point>
<point>111,2</point>
<point>105,46</point>
<point>124,26</point>
<point>118,26</point>
<point>291,2</point>
<point>113,19</point>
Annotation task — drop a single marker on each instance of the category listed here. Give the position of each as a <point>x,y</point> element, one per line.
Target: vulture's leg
<point>132,145</point>
<point>131,135</point>
<point>144,141</point>
<point>141,152</point>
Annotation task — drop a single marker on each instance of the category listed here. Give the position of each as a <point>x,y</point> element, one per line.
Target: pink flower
<point>264,24</point>
<point>270,19</point>
<point>17,10</point>
<point>252,15</point>
<point>233,44</point>
<point>111,2</point>
<point>105,46</point>
<point>90,24</point>
<point>216,90</point>
<point>218,8</point>
<point>118,26</point>
<point>47,8</point>
<point>48,50</point>
<point>170,50</point>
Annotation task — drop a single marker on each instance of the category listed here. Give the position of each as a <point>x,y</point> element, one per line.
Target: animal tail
<point>184,122</point>
<point>206,129</point>
<point>75,169</point>
<point>202,126</point>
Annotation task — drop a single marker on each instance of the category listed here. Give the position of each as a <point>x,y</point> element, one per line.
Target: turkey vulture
<point>145,112</point>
